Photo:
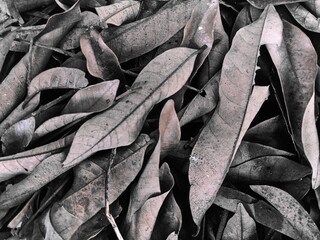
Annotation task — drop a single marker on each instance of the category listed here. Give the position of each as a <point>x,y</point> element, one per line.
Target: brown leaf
<point>134,39</point>
<point>240,226</point>
<point>56,78</point>
<point>15,84</point>
<point>161,78</point>
<point>291,210</point>
<point>101,60</point>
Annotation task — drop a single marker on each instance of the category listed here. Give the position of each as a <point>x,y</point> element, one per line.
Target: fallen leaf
<point>118,12</point>
<point>290,209</point>
<point>15,84</point>
<point>18,136</point>
<point>5,44</point>
<point>314,6</point>
<point>56,78</point>
<point>101,61</point>
<point>264,4</point>
<point>240,226</point>
<point>297,88</point>
<point>153,84</point>
<point>228,126</point>
<point>134,39</point>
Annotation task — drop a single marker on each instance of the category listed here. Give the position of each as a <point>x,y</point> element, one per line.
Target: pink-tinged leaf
<point>203,103</point>
<point>210,160</point>
<point>5,44</point>
<point>296,62</point>
<point>263,4</point>
<point>118,12</point>
<point>134,39</point>
<point>72,38</point>
<point>291,209</point>
<point>56,78</point>
<point>18,136</point>
<point>240,226</point>
<point>148,184</point>
<point>14,86</point>
<point>161,78</point>
<point>101,60</point>
<point>94,98</point>
<point>143,221</point>
<point>19,113</point>
<point>169,220</point>
<point>268,169</point>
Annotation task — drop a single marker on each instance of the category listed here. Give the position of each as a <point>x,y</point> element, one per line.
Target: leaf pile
<point>176,119</point>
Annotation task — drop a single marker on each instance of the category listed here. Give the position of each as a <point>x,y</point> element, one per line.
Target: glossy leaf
<point>291,210</point>
<point>15,84</point>
<point>153,84</point>
<point>240,226</point>
<point>56,78</point>
<point>118,13</point>
<point>210,160</point>
<point>134,39</point>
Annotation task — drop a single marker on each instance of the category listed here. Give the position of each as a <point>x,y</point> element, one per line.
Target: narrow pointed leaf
<point>57,78</point>
<point>210,159</point>
<point>290,209</point>
<point>161,78</point>
<point>314,5</point>
<point>134,39</point>
<point>263,4</point>
<point>5,44</point>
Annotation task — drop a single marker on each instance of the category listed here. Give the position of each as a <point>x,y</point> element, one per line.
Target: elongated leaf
<point>15,84</point>
<point>240,226</point>
<point>5,44</point>
<point>93,98</point>
<point>298,89</point>
<point>161,78</point>
<point>210,160</point>
<point>263,4</point>
<point>314,5</point>
<point>57,78</point>
<point>118,13</point>
<point>18,136</point>
<point>101,60</point>
<point>72,38</point>
<point>134,39</point>
<point>291,210</point>
<point>268,169</point>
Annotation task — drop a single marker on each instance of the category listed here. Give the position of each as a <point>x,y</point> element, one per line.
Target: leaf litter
<point>144,119</point>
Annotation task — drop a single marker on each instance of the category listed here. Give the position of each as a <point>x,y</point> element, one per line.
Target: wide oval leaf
<point>121,124</point>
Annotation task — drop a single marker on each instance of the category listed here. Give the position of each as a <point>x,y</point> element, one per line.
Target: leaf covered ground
<point>179,119</point>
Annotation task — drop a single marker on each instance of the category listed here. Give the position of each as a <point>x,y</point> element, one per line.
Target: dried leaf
<point>118,13</point>
<point>134,39</point>
<point>18,136</point>
<point>210,160</point>
<point>101,61</point>
<point>296,63</point>
<point>15,84</point>
<point>314,6</point>
<point>240,226</point>
<point>56,78</point>
<point>161,78</point>
<point>291,210</point>
<point>264,4</point>
<point>72,38</point>
<point>5,44</point>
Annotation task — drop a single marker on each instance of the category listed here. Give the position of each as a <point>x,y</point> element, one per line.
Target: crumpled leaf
<point>57,26</point>
<point>161,78</point>
<point>72,38</point>
<point>93,98</point>
<point>290,209</point>
<point>56,78</point>
<point>18,136</point>
<point>229,126</point>
<point>5,45</point>
<point>144,219</point>
<point>118,12</point>
<point>296,63</point>
<point>204,102</point>
<point>134,39</point>
<point>263,4</point>
<point>148,184</point>
<point>240,226</point>
<point>101,61</point>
